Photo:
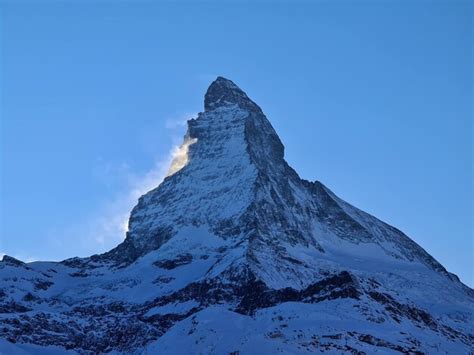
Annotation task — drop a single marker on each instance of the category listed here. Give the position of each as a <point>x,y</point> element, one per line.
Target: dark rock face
<point>12,261</point>
<point>237,230</point>
<point>223,92</point>
<point>257,295</point>
<point>182,259</point>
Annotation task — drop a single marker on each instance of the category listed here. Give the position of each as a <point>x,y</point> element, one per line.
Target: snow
<point>7,348</point>
<point>175,308</point>
<point>291,328</point>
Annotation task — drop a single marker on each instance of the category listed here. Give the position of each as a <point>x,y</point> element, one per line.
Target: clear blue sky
<point>372,99</point>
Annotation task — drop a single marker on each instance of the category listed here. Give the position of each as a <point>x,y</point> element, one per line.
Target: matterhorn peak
<point>234,245</point>
<point>223,92</point>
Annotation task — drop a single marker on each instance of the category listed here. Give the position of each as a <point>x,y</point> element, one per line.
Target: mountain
<point>234,253</point>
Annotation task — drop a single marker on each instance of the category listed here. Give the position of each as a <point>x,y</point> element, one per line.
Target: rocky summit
<point>234,253</point>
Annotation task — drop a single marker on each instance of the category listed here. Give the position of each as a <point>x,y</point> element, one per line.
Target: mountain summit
<point>234,252</point>
<point>224,92</point>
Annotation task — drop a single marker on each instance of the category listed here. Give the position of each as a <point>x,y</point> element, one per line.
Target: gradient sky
<point>374,99</point>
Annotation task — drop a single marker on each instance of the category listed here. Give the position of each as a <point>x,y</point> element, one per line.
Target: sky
<point>374,99</point>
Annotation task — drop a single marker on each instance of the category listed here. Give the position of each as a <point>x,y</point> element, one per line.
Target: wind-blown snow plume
<point>112,224</point>
<point>139,185</point>
<point>180,156</point>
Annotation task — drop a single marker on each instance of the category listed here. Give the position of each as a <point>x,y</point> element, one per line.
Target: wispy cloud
<point>179,121</point>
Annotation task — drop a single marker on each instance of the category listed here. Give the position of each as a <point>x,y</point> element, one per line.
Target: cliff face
<point>234,230</point>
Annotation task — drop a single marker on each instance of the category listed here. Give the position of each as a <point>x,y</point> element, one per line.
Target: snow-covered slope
<point>233,251</point>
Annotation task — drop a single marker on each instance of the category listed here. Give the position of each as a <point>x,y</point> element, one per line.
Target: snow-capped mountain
<point>234,253</point>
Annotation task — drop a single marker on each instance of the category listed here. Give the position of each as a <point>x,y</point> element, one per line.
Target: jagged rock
<point>9,260</point>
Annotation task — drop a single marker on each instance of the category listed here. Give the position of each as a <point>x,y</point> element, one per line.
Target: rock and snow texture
<point>234,253</point>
